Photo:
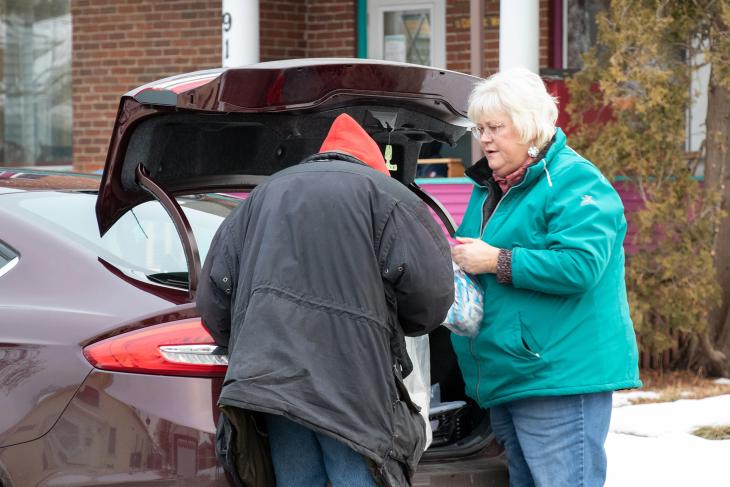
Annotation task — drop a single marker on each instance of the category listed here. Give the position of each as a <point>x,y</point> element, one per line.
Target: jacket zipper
<point>484,203</point>
<point>482,229</point>
<point>479,374</point>
<point>471,340</point>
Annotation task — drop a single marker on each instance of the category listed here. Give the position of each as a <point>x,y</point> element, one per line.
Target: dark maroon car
<point>107,376</point>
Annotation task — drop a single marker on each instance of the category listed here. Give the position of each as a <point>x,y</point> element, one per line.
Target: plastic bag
<point>465,315</point>
<point>418,381</point>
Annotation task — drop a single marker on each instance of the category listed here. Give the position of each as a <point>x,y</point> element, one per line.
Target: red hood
<point>346,135</point>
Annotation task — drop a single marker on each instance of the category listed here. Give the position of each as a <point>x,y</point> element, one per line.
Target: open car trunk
<point>228,129</point>
<point>464,450</point>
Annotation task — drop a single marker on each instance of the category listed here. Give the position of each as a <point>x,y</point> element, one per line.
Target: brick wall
<point>314,28</point>
<point>121,44</point>
<point>281,29</point>
<point>332,28</point>
<point>458,40</point>
<point>458,36</point>
<point>544,33</point>
<point>325,28</point>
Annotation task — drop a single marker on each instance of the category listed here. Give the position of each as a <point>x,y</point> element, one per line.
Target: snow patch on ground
<point>666,418</point>
<point>652,444</point>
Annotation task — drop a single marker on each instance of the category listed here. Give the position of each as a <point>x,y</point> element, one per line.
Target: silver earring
<point>533,151</point>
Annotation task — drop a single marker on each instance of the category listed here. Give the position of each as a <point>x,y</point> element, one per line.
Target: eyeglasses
<point>477,131</point>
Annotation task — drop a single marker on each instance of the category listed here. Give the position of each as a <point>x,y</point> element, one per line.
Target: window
<point>8,258</point>
<point>35,82</point>
<point>407,31</point>
<point>580,29</point>
<point>579,33</point>
<point>143,241</point>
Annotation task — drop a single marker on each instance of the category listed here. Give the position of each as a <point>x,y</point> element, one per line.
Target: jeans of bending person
<point>305,458</point>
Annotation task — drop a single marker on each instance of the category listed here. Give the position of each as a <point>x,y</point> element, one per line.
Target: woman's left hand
<point>475,256</point>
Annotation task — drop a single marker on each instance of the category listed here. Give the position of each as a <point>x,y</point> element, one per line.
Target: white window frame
<point>697,111</point>
<point>376,11</point>
<point>696,114</point>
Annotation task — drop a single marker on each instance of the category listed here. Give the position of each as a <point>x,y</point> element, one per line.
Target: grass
<point>713,432</point>
<point>672,386</point>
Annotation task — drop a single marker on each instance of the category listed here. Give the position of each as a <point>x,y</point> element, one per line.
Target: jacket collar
<point>332,156</point>
<point>481,174</point>
<point>556,144</point>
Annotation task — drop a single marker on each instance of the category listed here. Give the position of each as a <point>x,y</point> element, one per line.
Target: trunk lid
<point>227,129</point>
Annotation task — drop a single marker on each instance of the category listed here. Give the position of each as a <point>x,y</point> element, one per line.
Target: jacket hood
<point>346,135</point>
<point>556,144</point>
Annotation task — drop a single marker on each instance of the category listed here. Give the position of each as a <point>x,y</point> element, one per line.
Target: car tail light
<point>179,348</point>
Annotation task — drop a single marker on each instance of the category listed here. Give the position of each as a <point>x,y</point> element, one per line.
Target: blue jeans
<point>555,441</point>
<point>305,458</point>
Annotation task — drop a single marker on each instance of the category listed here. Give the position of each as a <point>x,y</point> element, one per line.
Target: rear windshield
<point>143,240</point>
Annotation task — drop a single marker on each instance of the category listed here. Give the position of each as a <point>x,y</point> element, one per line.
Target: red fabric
<point>515,176</point>
<point>346,135</point>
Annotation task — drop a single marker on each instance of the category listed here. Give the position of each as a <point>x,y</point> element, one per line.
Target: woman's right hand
<point>475,256</point>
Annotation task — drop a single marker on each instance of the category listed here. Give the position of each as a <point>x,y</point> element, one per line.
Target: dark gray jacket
<point>312,284</point>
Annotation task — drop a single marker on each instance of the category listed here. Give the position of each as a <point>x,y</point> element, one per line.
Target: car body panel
<point>126,429</point>
<point>44,320</point>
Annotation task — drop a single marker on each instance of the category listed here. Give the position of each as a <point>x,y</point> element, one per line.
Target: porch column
<point>240,33</point>
<point>476,13</point>
<point>519,34</point>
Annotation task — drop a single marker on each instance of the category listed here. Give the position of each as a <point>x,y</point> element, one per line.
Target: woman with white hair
<point>544,233</point>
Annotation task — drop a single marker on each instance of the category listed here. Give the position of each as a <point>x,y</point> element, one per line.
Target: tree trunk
<point>716,344</point>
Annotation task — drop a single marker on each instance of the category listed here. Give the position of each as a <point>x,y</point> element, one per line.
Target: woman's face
<point>501,144</point>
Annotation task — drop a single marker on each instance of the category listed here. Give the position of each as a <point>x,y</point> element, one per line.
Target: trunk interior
<point>460,427</point>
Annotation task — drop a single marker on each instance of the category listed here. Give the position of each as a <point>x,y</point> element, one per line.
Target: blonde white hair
<point>520,95</point>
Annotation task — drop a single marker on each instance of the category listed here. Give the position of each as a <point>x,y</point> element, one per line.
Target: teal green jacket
<point>563,325</point>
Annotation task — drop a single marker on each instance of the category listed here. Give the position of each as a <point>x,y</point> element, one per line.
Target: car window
<point>144,239</point>
<point>8,258</point>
